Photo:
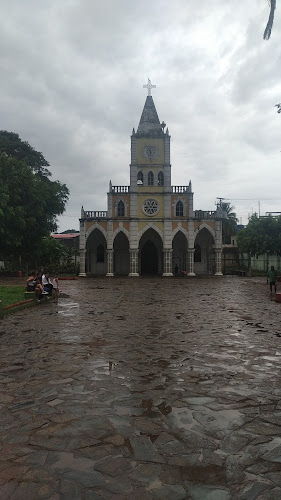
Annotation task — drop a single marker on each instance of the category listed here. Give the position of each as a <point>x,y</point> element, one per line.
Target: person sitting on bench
<point>31,282</point>
<point>39,290</point>
<point>47,284</point>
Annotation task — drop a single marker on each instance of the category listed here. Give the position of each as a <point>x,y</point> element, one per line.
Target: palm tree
<point>267,31</point>
<point>229,222</point>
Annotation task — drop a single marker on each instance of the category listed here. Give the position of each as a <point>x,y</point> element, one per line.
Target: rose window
<point>150,207</point>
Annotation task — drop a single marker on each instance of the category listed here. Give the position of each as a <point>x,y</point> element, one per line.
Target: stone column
<point>190,262</point>
<point>168,258</point>
<point>218,262</point>
<point>134,262</point>
<point>109,263</point>
<point>82,249</point>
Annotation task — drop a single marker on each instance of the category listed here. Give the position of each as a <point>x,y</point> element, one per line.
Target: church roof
<point>149,125</point>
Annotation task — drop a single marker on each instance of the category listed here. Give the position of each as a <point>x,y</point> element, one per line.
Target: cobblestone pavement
<point>164,389</point>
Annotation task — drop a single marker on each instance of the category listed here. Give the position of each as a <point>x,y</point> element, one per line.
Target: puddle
<point>201,400</point>
<point>68,309</point>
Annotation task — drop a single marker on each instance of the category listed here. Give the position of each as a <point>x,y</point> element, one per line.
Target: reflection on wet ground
<point>144,389</point>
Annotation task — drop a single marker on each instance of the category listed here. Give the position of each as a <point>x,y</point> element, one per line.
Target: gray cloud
<point>72,87</point>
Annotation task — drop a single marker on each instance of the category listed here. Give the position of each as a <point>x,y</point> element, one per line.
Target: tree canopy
<point>261,235</point>
<point>229,222</point>
<point>29,200</point>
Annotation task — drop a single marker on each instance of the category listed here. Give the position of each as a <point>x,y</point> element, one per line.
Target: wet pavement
<point>163,389</point>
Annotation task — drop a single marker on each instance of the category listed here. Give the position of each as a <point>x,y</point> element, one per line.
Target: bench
<point>32,295</point>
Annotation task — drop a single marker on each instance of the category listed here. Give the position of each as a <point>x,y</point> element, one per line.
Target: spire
<point>149,125</point>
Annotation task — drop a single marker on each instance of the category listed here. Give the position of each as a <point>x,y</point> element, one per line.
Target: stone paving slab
<point>146,389</point>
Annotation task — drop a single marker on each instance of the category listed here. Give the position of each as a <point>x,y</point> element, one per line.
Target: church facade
<point>150,227</point>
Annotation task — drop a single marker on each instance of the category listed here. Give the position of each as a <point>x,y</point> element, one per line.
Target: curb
<point>15,307</point>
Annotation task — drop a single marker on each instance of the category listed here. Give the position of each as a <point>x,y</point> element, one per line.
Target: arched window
<point>179,209</point>
<point>100,253</point>
<point>140,176</point>
<point>120,209</point>
<point>197,253</point>
<point>160,179</point>
<point>150,178</point>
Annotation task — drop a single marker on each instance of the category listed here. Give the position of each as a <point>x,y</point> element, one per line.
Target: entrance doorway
<point>150,253</point>
<point>149,258</point>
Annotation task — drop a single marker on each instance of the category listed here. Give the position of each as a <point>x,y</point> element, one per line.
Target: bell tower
<point>150,169</point>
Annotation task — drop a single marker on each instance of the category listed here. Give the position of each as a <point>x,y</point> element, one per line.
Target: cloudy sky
<point>72,75</point>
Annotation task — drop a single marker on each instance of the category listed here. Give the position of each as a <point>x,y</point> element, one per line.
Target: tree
<point>13,147</point>
<point>70,231</point>
<point>51,252</point>
<point>29,200</point>
<point>261,235</point>
<point>229,222</point>
<point>267,31</point>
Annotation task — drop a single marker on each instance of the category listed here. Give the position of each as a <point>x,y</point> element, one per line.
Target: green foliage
<point>50,253</point>
<point>261,235</point>
<point>29,200</point>
<point>229,223</point>
<point>13,147</point>
<point>70,231</point>
<point>11,294</point>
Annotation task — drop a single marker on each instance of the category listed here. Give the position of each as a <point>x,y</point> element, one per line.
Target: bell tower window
<point>150,178</point>
<point>161,179</point>
<point>140,177</point>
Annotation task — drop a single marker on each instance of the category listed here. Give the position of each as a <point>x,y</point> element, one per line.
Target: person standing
<point>56,287</point>
<point>272,277</point>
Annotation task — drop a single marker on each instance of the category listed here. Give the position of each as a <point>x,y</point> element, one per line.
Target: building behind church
<point>150,227</point>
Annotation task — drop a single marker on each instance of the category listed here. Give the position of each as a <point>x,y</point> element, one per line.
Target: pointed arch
<point>179,245</point>
<point>182,230</point>
<point>151,226</point>
<point>150,178</point>
<point>93,227</point>
<point>96,245</point>
<point>121,229</point>
<point>140,176</point>
<point>150,252</point>
<point>179,209</point>
<point>204,256</point>
<point>160,178</point>
<point>205,226</point>
<point>121,254</point>
<point>120,208</point>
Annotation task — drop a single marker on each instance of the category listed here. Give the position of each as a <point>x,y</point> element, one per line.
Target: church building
<point>150,227</point>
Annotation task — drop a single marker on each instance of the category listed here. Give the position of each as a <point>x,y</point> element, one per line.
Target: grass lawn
<point>11,294</point>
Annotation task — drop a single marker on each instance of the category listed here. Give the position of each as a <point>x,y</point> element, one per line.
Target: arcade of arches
<point>150,254</point>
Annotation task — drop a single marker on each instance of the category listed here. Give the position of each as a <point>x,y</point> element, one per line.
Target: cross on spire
<point>149,86</point>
